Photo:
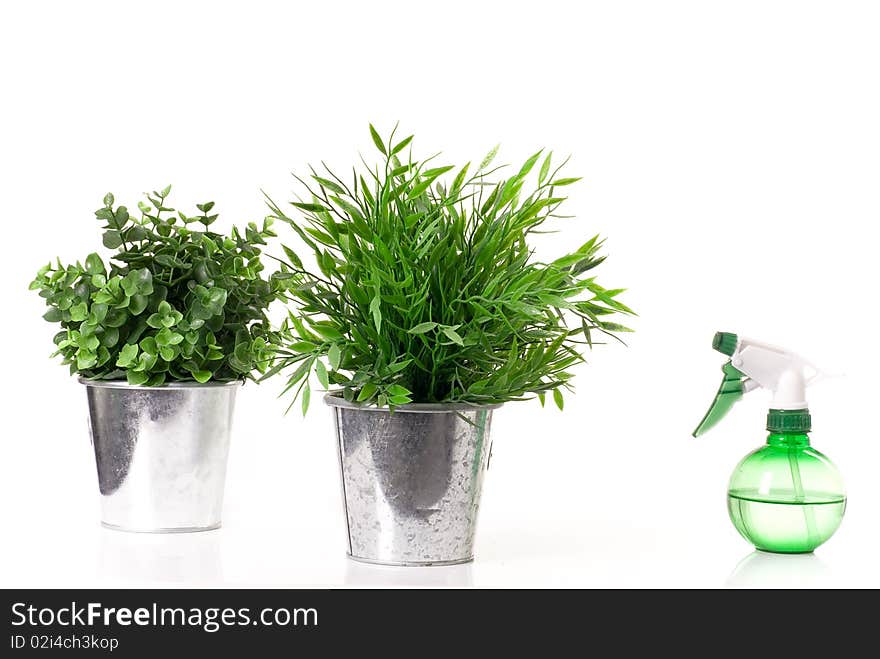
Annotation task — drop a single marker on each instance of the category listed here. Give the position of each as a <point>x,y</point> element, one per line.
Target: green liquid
<point>785,525</point>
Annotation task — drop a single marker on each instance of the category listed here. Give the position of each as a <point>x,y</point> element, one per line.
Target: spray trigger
<point>731,390</point>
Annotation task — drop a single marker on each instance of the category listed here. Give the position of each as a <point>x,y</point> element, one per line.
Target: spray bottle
<point>784,497</point>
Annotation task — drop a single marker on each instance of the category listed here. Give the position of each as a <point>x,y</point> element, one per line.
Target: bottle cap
<point>789,420</point>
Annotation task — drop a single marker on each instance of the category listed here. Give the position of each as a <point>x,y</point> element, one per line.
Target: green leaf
<point>112,239</point>
<point>127,356</point>
<point>545,169</point>
<point>115,318</point>
<point>110,337</point>
<point>136,233</point>
<point>216,299</point>
<point>398,366</point>
<point>173,338</point>
<point>97,313</point>
<point>312,208</point>
<point>366,392</point>
<point>437,171</point>
<point>94,265</point>
<point>85,360</point>
<point>201,376</point>
<point>321,372</point>
<point>306,396</point>
<point>400,146</point>
<point>303,346</point>
<point>53,315</point>
<point>419,189</point>
<point>146,361</point>
<point>376,311</point>
<point>108,199</point>
<point>333,186</point>
<point>333,356</point>
<point>137,377</point>
<point>149,345</point>
<point>79,312</point>
<point>421,328</point>
<point>527,166</point>
<point>397,390</point>
<point>138,282</point>
<point>137,304</point>
<point>557,398</point>
<point>377,140</point>
<point>352,211</point>
<point>614,327</point>
<point>565,181</point>
<point>301,371</point>
<point>327,331</point>
<point>292,257</point>
<point>453,335</point>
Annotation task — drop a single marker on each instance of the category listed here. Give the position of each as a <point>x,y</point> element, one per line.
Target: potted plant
<point>162,336</point>
<point>425,310</point>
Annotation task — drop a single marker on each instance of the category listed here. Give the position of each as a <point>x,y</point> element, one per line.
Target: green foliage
<point>178,302</point>
<point>428,291</point>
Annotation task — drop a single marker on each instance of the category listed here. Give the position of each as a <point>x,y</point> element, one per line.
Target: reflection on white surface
<point>765,570</point>
<point>161,557</point>
<point>382,576</point>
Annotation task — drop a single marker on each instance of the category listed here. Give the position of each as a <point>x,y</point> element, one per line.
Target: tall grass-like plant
<point>425,289</point>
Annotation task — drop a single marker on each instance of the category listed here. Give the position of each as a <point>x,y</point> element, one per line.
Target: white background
<point>731,155</point>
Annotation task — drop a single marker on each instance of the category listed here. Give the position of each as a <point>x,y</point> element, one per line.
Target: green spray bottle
<point>786,496</point>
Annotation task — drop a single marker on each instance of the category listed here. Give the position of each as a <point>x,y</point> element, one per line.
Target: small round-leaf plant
<point>426,290</point>
<point>175,302</point>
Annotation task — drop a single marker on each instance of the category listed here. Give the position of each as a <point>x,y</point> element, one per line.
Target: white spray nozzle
<point>776,369</point>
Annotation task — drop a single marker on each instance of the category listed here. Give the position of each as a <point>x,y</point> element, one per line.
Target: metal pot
<point>161,453</point>
<point>411,480</point>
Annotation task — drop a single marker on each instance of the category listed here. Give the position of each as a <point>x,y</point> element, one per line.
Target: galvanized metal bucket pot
<point>161,453</point>
<point>411,480</point>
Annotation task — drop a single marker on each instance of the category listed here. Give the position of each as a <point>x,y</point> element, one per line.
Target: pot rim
<point>335,400</point>
<point>123,384</point>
